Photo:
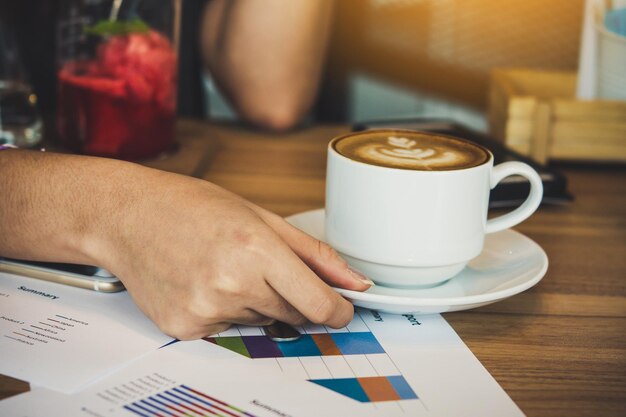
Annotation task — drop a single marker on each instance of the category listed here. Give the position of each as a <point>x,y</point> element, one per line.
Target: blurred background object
<point>20,122</point>
<point>569,115</point>
<point>536,113</point>
<point>440,52</point>
<point>402,59</point>
<point>432,58</point>
<point>602,62</point>
<point>610,24</point>
<point>117,70</point>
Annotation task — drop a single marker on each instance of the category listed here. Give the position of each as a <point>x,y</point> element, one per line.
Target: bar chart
<point>371,389</point>
<point>183,401</point>
<point>350,361</point>
<point>178,383</point>
<point>321,344</point>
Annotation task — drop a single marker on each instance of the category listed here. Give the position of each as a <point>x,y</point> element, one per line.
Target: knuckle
<point>190,335</point>
<point>201,307</point>
<point>205,312</point>
<point>192,325</point>
<point>229,286</point>
<point>326,252</point>
<point>214,329</point>
<point>179,329</point>
<point>252,240</point>
<point>299,320</point>
<point>266,322</point>
<point>243,237</point>
<point>291,315</point>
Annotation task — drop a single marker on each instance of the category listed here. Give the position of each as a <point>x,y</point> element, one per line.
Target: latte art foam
<point>411,150</point>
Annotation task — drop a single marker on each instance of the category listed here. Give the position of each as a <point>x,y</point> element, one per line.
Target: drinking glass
<point>117,71</point>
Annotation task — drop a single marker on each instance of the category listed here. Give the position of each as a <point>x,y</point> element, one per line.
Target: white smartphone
<point>82,276</point>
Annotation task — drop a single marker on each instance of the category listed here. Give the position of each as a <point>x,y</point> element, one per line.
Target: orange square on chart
<point>326,344</point>
<point>378,388</point>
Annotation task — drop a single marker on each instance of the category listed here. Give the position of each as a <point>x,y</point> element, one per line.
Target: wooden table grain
<point>558,349</point>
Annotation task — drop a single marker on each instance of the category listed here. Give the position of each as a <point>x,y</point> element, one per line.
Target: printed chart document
<point>61,337</point>
<point>174,384</point>
<point>396,365</point>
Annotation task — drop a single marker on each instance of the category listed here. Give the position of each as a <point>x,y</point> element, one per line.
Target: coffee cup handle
<point>528,207</point>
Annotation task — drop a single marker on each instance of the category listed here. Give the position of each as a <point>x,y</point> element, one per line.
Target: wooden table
<point>559,349</point>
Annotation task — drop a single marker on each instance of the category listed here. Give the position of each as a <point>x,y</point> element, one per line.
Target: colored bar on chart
<point>320,344</point>
<point>358,343</point>
<point>148,411</point>
<point>151,406</point>
<point>168,406</point>
<point>326,344</point>
<point>138,411</point>
<point>179,402</point>
<point>215,400</point>
<point>184,401</point>
<point>261,347</point>
<point>402,387</point>
<point>371,389</point>
<point>234,344</point>
<point>349,387</point>
<point>378,388</point>
<point>305,346</point>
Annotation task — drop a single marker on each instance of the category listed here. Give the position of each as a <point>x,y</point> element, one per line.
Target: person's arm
<point>194,257</point>
<point>267,55</point>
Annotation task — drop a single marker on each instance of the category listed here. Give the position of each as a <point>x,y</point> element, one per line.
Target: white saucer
<point>509,264</point>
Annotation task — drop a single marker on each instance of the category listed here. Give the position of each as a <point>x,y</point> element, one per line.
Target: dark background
<point>445,49</point>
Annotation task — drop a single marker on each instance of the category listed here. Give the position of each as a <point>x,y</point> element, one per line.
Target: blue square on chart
<point>305,346</point>
<point>349,387</point>
<point>402,387</point>
<point>357,343</point>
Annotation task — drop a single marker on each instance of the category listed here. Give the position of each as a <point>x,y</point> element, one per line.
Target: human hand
<point>197,258</point>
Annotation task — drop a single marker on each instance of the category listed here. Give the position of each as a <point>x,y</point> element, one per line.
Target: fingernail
<point>359,276</point>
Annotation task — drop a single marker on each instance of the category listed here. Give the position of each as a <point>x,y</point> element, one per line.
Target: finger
<point>213,329</point>
<point>301,288</point>
<point>272,304</point>
<point>198,332</point>
<point>253,318</point>
<point>262,321</point>
<point>319,256</point>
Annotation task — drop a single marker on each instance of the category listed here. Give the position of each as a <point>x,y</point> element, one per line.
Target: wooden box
<point>537,114</point>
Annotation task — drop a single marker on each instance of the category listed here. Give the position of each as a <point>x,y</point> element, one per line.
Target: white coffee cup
<point>412,227</point>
